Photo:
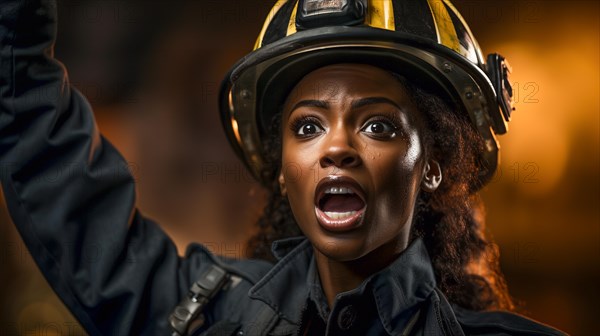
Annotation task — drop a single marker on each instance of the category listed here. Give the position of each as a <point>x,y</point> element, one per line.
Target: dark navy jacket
<point>72,198</point>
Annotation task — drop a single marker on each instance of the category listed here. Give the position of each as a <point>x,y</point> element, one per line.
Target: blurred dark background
<point>152,71</point>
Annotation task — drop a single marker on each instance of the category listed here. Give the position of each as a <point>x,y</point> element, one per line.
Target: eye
<point>306,126</point>
<point>308,129</point>
<point>380,128</point>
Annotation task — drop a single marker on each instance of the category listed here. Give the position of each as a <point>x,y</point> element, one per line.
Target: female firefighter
<point>373,125</point>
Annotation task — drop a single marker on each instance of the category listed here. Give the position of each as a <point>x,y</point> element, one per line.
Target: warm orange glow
<point>556,93</point>
<point>542,207</point>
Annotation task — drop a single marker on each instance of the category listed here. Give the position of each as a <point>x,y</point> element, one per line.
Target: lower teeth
<point>339,215</point>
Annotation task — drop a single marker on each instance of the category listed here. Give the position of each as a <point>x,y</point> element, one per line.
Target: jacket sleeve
<point>70,193</point>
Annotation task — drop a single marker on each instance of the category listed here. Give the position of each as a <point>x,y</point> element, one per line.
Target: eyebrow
<point>373,100</point>
<point>310,103</point>
<point>355,104</point>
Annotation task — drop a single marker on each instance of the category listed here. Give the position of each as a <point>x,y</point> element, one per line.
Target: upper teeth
<point>338,190</point>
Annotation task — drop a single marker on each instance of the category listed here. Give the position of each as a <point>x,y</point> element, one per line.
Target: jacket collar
<point>403,286</point>
<point>283,247</point>
<point>398,289</point>
<point>284,286</point>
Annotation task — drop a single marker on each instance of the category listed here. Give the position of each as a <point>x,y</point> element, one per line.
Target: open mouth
<point>339,203</point>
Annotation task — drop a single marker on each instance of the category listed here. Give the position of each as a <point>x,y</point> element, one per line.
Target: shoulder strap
<point>191,306</point>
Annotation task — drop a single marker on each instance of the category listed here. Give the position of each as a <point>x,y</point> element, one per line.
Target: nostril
<point>340,161</point>
<point>327,161</point>
<point>348,161</point>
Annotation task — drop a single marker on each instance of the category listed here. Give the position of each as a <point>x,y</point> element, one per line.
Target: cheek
<point>414,151</point>
<point>397,182</point>
<point>396,173</point>
<point>298,167</point>
<point>298,170</point>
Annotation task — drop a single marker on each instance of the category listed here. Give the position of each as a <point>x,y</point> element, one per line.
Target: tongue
<point>342,203</point>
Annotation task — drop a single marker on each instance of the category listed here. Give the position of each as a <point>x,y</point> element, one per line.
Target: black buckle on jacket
<point>202,291</point>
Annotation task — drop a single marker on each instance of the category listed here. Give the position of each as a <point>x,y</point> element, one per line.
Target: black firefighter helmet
<point>426,41</point>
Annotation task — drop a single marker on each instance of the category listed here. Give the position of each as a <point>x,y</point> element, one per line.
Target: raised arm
<point>70,193</point>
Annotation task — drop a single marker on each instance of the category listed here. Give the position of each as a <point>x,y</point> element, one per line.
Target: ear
<point>432,176</point>
<point>282,187</point>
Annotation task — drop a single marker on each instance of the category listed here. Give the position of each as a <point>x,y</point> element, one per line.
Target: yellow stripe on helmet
<point>381,14</point>
<point>270,17</point>
<point>292,23</point>
<point>464,23</point>
<point>443,25</point>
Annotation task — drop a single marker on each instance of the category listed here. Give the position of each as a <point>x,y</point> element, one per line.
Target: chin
<point>340,249</point>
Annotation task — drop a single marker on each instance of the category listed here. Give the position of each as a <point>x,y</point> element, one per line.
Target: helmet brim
<point>258,85</point>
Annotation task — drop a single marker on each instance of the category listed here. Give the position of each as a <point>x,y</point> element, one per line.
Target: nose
<point>339,150</point>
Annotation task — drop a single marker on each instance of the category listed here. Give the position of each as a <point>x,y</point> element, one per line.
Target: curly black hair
<point>449,220</point>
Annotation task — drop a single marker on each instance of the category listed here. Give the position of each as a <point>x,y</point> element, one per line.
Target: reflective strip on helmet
<point>457,13</point>
<point>291,29</point>
<point>381,15</point>
<point>443,25</point>
<point>476,49</point>
<point>278,5</point>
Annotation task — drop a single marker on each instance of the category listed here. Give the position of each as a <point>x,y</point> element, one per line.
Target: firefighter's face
<point>353,162</point>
